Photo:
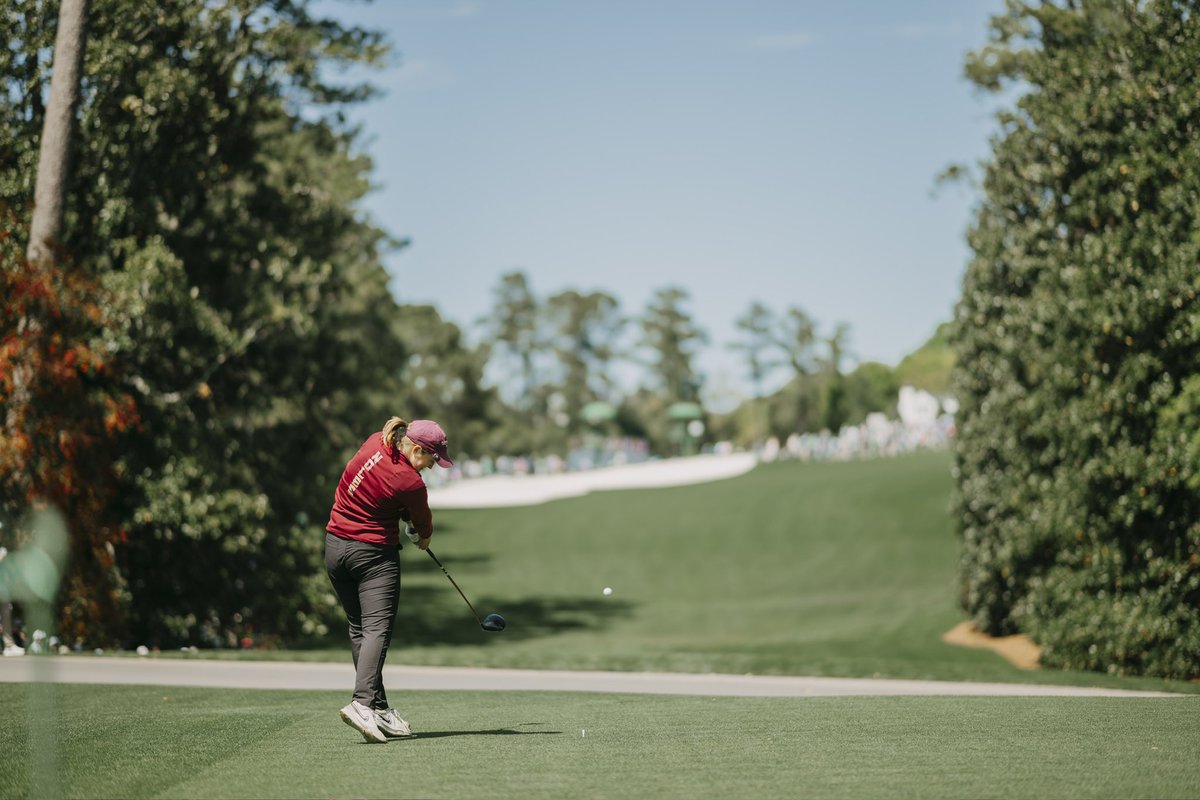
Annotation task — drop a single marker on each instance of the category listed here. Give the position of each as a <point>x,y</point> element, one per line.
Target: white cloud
<point>418,75</point>
<point>781,41</point>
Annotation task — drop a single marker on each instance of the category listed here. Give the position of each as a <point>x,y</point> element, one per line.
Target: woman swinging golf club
<point>380,487</point>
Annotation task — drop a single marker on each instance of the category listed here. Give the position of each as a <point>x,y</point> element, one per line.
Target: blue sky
<point>783,152</point>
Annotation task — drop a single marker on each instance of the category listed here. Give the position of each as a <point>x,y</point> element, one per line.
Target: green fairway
<point>834,569</point>
<point>154,742</point>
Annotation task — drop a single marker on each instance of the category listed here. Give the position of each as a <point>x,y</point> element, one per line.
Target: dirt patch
<point>1018,649</point>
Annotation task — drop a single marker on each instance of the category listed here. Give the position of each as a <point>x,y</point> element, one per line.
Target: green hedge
<point>1078,340</point>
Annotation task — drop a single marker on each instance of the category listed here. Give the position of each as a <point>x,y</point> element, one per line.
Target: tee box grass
<point>155,742</point>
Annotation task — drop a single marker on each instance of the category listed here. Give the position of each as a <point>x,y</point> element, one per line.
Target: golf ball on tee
<point>607,591</point>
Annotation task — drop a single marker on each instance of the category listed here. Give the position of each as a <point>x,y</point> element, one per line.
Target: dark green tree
<point>512,332</point>
<point>442,379</point>
<point>834,413</point>
<point>215,201</point>
<point>870,387</point>
<point>756,326</point>
<point>795,340</point>
<point>1078,339</point>
<point>673,338</point>
<point>583,333</point>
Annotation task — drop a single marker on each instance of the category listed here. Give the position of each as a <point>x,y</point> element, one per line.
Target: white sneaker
<point>390,723</point>
<point>13,650</point>
<point>362,719</point>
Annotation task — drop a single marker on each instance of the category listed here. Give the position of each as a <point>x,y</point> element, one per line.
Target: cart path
<point>332,676</point>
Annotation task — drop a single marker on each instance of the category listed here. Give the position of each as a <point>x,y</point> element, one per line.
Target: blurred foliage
<point>672,339</point>
<point>513,336</point>
<point>1078,340</point>
<point>820,395</point>
<point>833,413</point>
<point>584,336</point>
<point>930,366</point>
<point>443,380</point>
<point>550,357</point>
<point>870,388</point>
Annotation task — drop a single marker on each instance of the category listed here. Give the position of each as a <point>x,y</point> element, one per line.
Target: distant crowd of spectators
<point>877,436</point>
<point>609,452</point>
<point>925,422</point>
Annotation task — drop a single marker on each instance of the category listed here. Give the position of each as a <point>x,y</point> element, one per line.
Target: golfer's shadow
<point>492,732</point>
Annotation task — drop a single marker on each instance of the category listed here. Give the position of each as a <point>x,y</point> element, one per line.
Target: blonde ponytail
<point>393,431</point>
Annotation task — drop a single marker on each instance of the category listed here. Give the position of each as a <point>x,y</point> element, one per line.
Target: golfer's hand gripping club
<point>411,532</point>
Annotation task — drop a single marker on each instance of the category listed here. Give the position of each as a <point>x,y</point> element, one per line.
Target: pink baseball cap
<point>430,436</point>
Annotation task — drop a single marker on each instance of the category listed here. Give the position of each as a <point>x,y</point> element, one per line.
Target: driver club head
<point>493,622</point>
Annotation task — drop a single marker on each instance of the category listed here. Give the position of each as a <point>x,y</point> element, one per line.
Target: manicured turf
<point>154,742</point>
<point>835,569</point>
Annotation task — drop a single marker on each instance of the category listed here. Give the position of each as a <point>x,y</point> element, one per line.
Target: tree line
<point>554,356</point>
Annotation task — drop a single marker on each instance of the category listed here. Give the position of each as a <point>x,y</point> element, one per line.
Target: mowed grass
<point>833,569</point>
<point>154,742</point>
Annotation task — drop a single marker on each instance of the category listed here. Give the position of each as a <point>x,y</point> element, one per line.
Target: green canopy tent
<point>687,426</point>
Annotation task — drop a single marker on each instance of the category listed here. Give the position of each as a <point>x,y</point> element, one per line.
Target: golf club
<point>492,622</point>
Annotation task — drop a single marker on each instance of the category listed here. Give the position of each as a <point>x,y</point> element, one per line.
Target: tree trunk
<point>57,128</point>
<point>50,191</point>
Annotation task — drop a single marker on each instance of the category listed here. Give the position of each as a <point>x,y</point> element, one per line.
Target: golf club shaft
<point>460,591</point>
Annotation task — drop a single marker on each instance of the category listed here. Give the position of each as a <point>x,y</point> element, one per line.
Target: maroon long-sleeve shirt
<point>379,487</point>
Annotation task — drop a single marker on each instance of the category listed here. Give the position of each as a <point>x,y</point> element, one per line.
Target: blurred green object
<point>686,426</point>
<point>31,576</point>
<point>685,411</point>
<point>33,573</point>
<point>596,412</point>
<point>931,365</point>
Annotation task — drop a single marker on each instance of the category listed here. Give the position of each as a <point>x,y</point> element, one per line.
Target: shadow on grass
<point>426,620</point>
<point>425,564</point>
<point>431,613</point>
<point>492,732</point>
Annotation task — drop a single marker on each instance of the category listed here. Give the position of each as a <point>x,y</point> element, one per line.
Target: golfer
<point>380,487</point>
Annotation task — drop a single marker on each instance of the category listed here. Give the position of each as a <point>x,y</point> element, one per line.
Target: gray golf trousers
<point>366,578</point>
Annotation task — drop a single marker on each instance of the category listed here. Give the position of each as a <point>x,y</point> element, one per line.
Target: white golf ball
<point>607,591</point>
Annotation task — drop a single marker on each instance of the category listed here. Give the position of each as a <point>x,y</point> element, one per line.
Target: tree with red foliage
<point>63,419</point>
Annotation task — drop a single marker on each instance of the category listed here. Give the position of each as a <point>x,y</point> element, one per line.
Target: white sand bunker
<point>497,491</point>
